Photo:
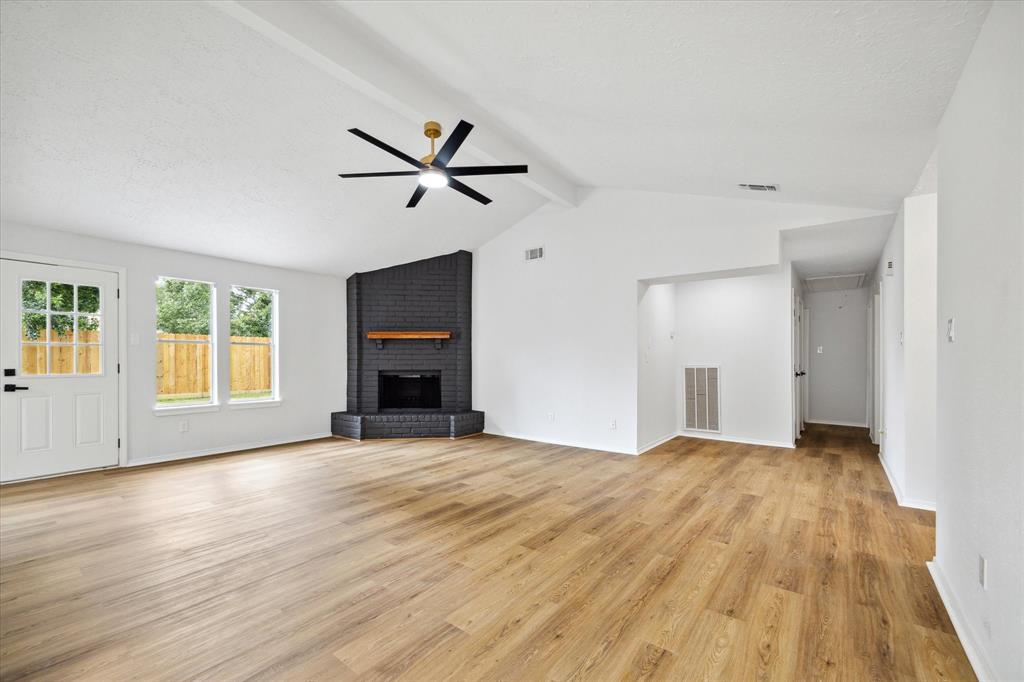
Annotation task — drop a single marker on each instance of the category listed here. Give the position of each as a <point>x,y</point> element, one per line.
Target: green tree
<point>182,307</point>
<point>251,312</point>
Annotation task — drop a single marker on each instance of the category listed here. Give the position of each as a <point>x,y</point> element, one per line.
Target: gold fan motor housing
<point>432,129</point>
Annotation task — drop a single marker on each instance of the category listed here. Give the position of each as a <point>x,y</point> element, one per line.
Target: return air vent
<point>834,282</point>
<point>535,253</point>
<point>702,399</point>
<point>759,188</point>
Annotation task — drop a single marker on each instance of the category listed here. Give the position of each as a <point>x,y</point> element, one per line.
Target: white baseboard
<point>224,449</point>
<point>549,441</point>
<point>901,499</point>
<point>860,425</point>
<point>655,443</point>
<point>975,654</point>
<point>734,439</point>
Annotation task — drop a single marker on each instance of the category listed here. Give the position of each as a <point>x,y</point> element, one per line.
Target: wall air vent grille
<point>535,253</point>
<point>759,188</point>
<point>702,399</point>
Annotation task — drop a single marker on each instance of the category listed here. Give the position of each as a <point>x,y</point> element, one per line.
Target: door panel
<point>58,349</point>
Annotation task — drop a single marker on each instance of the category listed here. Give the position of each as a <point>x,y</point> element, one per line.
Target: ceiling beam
<point>325,35</point>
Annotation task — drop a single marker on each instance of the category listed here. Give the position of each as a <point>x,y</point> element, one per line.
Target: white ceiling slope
<point>837,102</point>
<point>175,125</point>
<point>840,248</point>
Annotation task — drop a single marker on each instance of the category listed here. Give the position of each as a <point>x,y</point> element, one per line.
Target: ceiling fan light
<point>433,178</point>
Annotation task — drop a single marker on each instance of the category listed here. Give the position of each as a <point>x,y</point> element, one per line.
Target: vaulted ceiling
<point>219,127</point>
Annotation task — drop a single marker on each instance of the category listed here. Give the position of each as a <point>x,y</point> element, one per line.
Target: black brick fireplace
<point>409,351</point>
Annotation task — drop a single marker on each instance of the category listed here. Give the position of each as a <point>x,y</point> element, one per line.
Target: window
<point>60,328</point>
<point>185,360</point>
<point>253,344</point>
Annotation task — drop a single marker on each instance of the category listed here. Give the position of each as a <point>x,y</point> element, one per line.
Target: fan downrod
<point>432,130</point>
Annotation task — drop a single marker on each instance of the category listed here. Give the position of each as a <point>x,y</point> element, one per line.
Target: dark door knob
<point>11,388</point>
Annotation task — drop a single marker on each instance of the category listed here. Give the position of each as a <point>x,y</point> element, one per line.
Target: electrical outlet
<point>183,426</point>
<point>821,349</point>
<point>951,330</point>
<point>983,572</point>
<point>988,628</point>
<point>551,416</point>
<point>614,425</point>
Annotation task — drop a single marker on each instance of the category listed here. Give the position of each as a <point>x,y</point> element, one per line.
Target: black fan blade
<point>389,174</point>
<point>416,196</point>
<point>468,191</point>
<point>386,147</point>
<point>452,144</point>
<point>484,170</point>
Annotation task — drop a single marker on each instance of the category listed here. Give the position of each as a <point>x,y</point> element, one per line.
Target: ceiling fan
<point>434,170</point>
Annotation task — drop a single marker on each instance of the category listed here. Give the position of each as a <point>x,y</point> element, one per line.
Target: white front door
<point>58,351</point>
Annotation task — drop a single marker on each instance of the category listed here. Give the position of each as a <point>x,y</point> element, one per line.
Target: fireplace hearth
<point>416,315</point>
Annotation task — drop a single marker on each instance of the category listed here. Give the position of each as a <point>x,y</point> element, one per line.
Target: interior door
<point>58,351</point>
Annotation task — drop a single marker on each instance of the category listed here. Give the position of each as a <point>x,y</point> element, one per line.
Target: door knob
<point>11,388</point>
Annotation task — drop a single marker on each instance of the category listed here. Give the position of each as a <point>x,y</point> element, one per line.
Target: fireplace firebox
<point>409,390</point>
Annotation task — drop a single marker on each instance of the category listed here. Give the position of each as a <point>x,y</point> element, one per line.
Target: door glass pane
<point>33,327</point>
<point>62,328</point>
<point>62,359</point>
<point>62,296</point>
<point>33,295</point>
<point>88,329</point>
<point>182,373</point>
<point>33,359</point>
<point>88,299</point>
<point>89,360</point>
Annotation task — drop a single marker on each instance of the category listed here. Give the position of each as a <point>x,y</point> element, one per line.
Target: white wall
<point>892,430</point>
<point>743,325</point>
<point>920,345</point>
<point>656,358</point>
<point>837,377</point>
<point>560,335</point>
<point>980,486</point>
<point>312,371</point>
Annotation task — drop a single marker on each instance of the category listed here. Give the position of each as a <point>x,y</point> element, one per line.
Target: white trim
<point>901,499</point>
<point>734,439</point>
<point>226,449</point>
<point>252,404</point>
<point>169,410</point>
<point>655,443</point>
<point>968,639</point>
<point>860,425</point>
<point>122,332</point>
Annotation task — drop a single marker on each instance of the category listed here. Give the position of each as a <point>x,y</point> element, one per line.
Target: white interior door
<point>58,351</point>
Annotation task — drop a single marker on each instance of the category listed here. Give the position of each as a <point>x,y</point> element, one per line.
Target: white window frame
<point>214,403</point>
<point>74,344</point>
<point>275,394</point>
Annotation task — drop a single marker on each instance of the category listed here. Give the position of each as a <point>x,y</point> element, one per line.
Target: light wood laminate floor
<point>484,558</point>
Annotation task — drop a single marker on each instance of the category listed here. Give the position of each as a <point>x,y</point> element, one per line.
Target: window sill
<point>253,404</point>
<point>185,409</point>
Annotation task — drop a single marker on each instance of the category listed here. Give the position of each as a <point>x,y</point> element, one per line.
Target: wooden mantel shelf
<point>436,336</point>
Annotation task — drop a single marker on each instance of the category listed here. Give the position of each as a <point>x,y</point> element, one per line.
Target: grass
<point>252,395</point>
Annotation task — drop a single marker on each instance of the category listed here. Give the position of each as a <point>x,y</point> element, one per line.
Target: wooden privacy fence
<point>184,368</point>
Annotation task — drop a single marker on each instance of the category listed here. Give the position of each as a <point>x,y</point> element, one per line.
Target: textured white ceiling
<point>836,101</point>
<point>850,246</point>
<point>175,125</point>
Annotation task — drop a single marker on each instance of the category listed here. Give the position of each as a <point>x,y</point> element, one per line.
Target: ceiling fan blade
<point>386,147</point>
<point>416,196</point>
<point>452,144</point>
<point>468,191</point>
<point>388,174</point>
<point>484,170</point>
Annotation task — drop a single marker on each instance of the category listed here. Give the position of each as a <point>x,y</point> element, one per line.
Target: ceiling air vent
<point>759,188</point>
<point>535,253</point>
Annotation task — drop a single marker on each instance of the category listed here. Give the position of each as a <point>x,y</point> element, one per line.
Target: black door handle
<point>800,374</point>
<point>11,388</point>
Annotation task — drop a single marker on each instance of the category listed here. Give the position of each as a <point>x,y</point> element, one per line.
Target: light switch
<point>820,349</point>
<point>951,329</point>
